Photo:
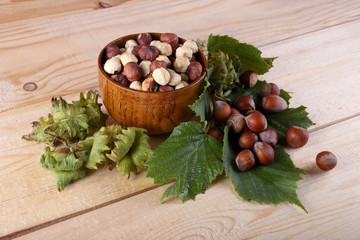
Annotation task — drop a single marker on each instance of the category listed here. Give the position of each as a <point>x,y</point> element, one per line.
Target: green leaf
<point>273,183</point>
<point>202,106</point>
<point>63,178</point>
<point>290,117</point>
<point>190,156</point>
<point>250,56</point>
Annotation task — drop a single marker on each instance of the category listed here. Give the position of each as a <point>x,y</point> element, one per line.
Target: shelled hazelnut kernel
<point>181,85</point>
<point>161,76</point>
<point>149,85</point>
<point>132,71</point>
<point>112,65</point>
<point>144,39</point>
<point>163,47</point>
<point>148,53</point>
<point>181,64</point>
<point>122,79</point>
<point>145,68</point>
<point>175,78</point>
<point>157,64</point>
<point>194,70</point>
<point>170,38</point>
<point>127,57</point>
<point>135,85</point>
<point>165,59</point>
<point>184,52</point>
<point>166,88</point>
<point>191,45</point>
<point>130,43</point>
<point>184,77</point>
<point>135,50</point>
<point>112,50</point>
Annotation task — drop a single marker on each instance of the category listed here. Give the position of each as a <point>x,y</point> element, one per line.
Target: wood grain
<point>59,54</point>
<point>331,198</point>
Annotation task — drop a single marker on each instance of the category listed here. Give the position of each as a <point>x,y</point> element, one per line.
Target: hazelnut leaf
<point>272,184</point>
<point>190,156</point>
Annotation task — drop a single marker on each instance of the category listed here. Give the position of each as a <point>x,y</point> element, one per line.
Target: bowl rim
<point>193,84</point>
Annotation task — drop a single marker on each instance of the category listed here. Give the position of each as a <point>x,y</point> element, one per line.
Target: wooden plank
<point>331,198</point>
<point>20,158</point>
<point>59,55</point>
<point>25,10</point>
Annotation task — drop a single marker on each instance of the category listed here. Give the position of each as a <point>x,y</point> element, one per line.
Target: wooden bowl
<point>158,112</point>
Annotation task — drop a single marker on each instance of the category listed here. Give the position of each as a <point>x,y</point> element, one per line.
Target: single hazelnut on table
<point>170,38</point>
<point>247,140</point>
<point>184,77</point>
<point>249,79</point>
<point>245,160</point>
<point>264,153</point>
<point>112,50</point>
<point>222,111</point>
<point>181,64</point>
<point>157,64</point>
<point>236,122</point>
<point>273,103</point>
<point>132,71</point>
<point>297,136</point>
<point>122,79</point>
<point>149,85</point>
<point>165,88</point>
<point>181,85</point>
<point>135,50</point>
<point>184,52</point>
<point>175,78</point>
<point>163,47</point>
<point>165,59</point>
<point>215,133</point>
<point>148,53</point>
<point>135,85</point>
<point>269,136</point>
<point>161,76</point>
<point>244,103</point>
<point>194,70</point>
<point>256,122</point>
<point>130,43</point>
<point>191,45</point>
<point>145,68</point>
<point>269,88</point>
<point>112,65</point>
<point>326,160</point>
<point>127,57</point>
<point>144,39</point>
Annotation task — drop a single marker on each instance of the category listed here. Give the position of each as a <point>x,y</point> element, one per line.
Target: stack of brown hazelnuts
<point>255,139</point>
<point>153,65</point>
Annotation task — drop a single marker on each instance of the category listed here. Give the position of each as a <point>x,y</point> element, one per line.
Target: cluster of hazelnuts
<point>154,65</point>
<point>255,139</point>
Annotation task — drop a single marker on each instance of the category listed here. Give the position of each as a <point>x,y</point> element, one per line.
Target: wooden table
<point>55,44</point>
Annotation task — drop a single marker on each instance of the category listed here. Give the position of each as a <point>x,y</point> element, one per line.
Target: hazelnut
<point>135,85</point>
<point>256,122</point>
<point>122,50</point>
<point>148,53</point>
<point>144,39</point>
<point>112,65</point>
<point>157,64</point>
<point>122,79</point>
<point>181,64</point>
<point>181,85</point>
<point>184,52</point>
<point>273,103</point>
<point>130,50</point>
<point>130,43</point>
<point>113,76</point>
<point>297,136</point>
<point>245,160</point>
<point>112,50</point>
<point>175,78</point>
<point>145,68</point>
<point>234,111</point>
<point>326,160</point>
<point>174,46</point>
<point>244,103</point>
<point>149,85</point>
<point>222,111</point>
<point>165,59</point>
<point>269,136</point>
<point>191,45</point>
<point>236,122</point>
<point>161,76</point>
<point>127,57</point>
<point>165,88</point>
<point>215,133</point>
<point>247,140</point>
<point>135,50</point>
<point>184,77</point>
<point>163,47</point>
<point>269,88</point>
<point>193,58</point>
<point>170,38</point>
<point>249,79</point>
<point>194,70</point>
<point>172,59</point>
<point>264,153</point>
<point>132,71</point>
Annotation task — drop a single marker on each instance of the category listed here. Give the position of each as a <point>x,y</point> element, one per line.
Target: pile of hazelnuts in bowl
<point>250,130</point>
<point>153,65</point>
